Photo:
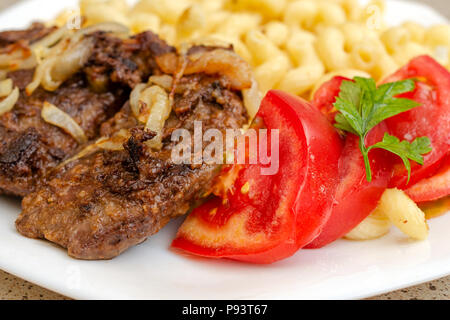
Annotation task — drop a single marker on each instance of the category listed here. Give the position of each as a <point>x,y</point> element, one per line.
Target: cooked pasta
<point>404,214</point>
<point>338,35</point>
<point>395,208</point>
<point>373,227</point>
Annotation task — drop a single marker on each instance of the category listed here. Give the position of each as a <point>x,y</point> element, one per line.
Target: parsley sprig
<point>362,106</point>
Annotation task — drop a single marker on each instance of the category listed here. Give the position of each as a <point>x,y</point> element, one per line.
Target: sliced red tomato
<point>355,197</point>
<point>325,97</point>
<point>434,188</point>
<point>263,219</point>
<point>431,119</point>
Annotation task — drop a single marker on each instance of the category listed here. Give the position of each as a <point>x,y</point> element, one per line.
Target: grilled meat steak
<point>35,32</point>
<point>128,62</point>
<point>31,147</point>
<point>101,204</point>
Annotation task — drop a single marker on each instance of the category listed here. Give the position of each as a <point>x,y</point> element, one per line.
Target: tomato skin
<point>287,210</point>
<point>269,255</point>
<point>431,119</point>
<point>355,197</point>
<point>433,188</point>
<point>326,96</point>
<point>325,148</point>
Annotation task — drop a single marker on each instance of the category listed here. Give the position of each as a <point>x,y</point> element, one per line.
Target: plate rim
<point>25,274</point>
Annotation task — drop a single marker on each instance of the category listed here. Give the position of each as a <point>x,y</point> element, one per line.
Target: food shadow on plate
<point>11,204</point>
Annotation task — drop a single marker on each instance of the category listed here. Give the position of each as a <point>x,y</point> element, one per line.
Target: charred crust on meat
<point>101,204</point>
<point>91,97</point>
<point>135,147</point>
<point>125,61</point>
<point>18,156</point>
<point>153,43</point>
<point>131,194</point>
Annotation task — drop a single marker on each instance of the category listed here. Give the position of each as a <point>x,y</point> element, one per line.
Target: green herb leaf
<point>362,106</point>
<point>405,150</point>
<point>342,123</point>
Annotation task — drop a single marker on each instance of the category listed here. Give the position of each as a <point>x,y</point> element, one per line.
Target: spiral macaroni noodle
<point>291,44</point>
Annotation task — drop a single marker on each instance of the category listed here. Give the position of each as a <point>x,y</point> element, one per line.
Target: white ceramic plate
<point>344,270</point>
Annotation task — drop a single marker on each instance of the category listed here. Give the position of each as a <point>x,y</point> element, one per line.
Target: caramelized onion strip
<point>63,53</point>
<point>83,153</point>
<point>252,99</point>
<point>9,59</point>
<point>8,103</point>
<point>59,118</point>
<point>51,39</point>
<point>71,61</point>
<point>159,113</point>
<point>151,105</point>
<point>135,104</point>
<point>27,58</point>
<point>108,27</point>
<point>6,87</point>
<point>164,81</point>
<point>114,143</point>
<point>216,62</point>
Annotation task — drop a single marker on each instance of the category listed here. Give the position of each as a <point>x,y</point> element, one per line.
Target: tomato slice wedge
<point>355,197</point>
<point>434,188</point>
<point>263,219</point>
<point>431,119</point>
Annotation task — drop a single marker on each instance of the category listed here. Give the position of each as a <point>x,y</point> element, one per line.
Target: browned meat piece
<point>30,35</point>
<point>31,147</point>
<point>102,204</point>
<point>126,62</point>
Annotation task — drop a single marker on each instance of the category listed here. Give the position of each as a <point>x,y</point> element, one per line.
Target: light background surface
<point>14,288</point>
